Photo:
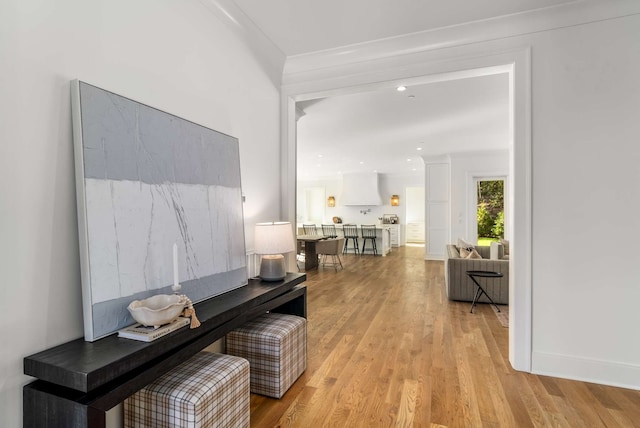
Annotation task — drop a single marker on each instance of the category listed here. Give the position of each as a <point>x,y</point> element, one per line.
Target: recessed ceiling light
<point>409,160</point>
<point>401,88</point>
<point>361,163</point>
<point>414,169</point>
<point>319,156</point>
<point>418,148</point>
<point>412,96</point>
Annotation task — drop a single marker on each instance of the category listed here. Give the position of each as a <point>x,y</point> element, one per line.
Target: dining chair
<point>330,247</point>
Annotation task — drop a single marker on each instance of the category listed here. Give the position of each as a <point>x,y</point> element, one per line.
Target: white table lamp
<point>271,240</point>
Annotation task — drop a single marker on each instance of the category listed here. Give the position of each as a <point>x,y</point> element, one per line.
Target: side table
<point>480,291</point>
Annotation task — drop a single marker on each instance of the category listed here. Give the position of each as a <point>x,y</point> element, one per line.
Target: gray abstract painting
<point>146,179</point>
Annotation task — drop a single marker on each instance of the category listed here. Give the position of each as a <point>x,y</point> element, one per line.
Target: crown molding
<point>477,153</point>
<point>270,57</point>
<point>302,67</point>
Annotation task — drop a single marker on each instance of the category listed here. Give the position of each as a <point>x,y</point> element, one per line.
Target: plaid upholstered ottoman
<point>276,347</point>
<point>209,390</point>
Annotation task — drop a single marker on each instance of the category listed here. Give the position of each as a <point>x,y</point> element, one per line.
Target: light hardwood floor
<point>386,348</point>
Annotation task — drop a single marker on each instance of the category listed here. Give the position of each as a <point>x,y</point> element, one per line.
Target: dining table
<point>310,253</point>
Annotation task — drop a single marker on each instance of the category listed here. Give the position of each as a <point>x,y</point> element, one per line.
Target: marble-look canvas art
<point>145,180</point>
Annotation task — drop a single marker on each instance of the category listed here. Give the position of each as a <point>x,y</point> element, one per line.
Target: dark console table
<point>79,381</point>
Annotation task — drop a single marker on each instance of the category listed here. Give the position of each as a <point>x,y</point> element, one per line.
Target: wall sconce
<point>395,200</point>
<point>331,201</point>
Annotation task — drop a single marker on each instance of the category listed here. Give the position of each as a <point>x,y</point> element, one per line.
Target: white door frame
<point>366,76</point>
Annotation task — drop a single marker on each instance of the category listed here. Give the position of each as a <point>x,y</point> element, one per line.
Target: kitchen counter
<point>383,237</point>
<point>339,226</point>
<point>378,226</point>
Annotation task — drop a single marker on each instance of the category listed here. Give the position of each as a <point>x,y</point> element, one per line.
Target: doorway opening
<point>414,232</point>
<point>518,64</point>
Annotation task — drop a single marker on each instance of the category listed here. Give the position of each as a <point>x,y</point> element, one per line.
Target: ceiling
<point>302,26</point>
<point>388,131</point>
<point>383,130</point>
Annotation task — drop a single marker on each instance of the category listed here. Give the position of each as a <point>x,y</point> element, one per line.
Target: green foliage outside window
<point>485,222</point>
<point>491,209</point>
<point>498,227</point>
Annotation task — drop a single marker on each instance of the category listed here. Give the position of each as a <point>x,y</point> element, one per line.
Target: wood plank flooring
<point>386,348</point>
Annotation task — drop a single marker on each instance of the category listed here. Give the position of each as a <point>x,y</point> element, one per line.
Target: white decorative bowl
<point>157,310</point>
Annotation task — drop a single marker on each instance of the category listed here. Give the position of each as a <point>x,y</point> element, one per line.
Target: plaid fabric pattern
<point>276,347</point>
<point>209,390</point>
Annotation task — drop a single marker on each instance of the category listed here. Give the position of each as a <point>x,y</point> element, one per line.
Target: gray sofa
<point>460,287</point>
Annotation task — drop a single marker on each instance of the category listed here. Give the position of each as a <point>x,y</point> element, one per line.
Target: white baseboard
<point>587,370</point>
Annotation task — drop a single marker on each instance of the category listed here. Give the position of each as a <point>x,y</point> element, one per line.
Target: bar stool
<point>369,234</point>
<point>350,232</point>
<point>329,230</point>
<point>310,229</point>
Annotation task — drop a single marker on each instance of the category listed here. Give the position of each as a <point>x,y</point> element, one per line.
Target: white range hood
<point>360,189</point>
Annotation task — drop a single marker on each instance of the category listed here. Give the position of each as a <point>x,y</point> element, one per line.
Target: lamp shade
<point>273,238</point>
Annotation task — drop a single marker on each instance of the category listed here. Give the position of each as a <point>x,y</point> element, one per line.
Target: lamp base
<point>272,268</point>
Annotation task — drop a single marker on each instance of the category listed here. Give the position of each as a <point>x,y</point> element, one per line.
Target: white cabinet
<point>394,229</point>
<point>384,239</point>
<point>415,232</point>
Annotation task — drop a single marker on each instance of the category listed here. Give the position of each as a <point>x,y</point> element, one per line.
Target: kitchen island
<point>383,237</point>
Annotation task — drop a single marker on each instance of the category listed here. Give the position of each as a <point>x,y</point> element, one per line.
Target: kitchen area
<point>394,204</point>
<point>386,237</point>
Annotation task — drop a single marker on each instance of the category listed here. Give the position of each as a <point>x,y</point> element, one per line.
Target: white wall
<point>585,224</point>
<point>388,184</point>
<point>174,56</point>
<point>464,167</point>
<point>586,195</point>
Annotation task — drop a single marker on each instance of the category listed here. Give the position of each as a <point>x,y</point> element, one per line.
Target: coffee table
<point>473,274</point>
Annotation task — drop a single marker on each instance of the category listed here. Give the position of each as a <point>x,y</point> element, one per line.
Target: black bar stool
<point>329,230</point>
<point>350,233</point>
<point>310,229</point>
<point>369,234</point>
